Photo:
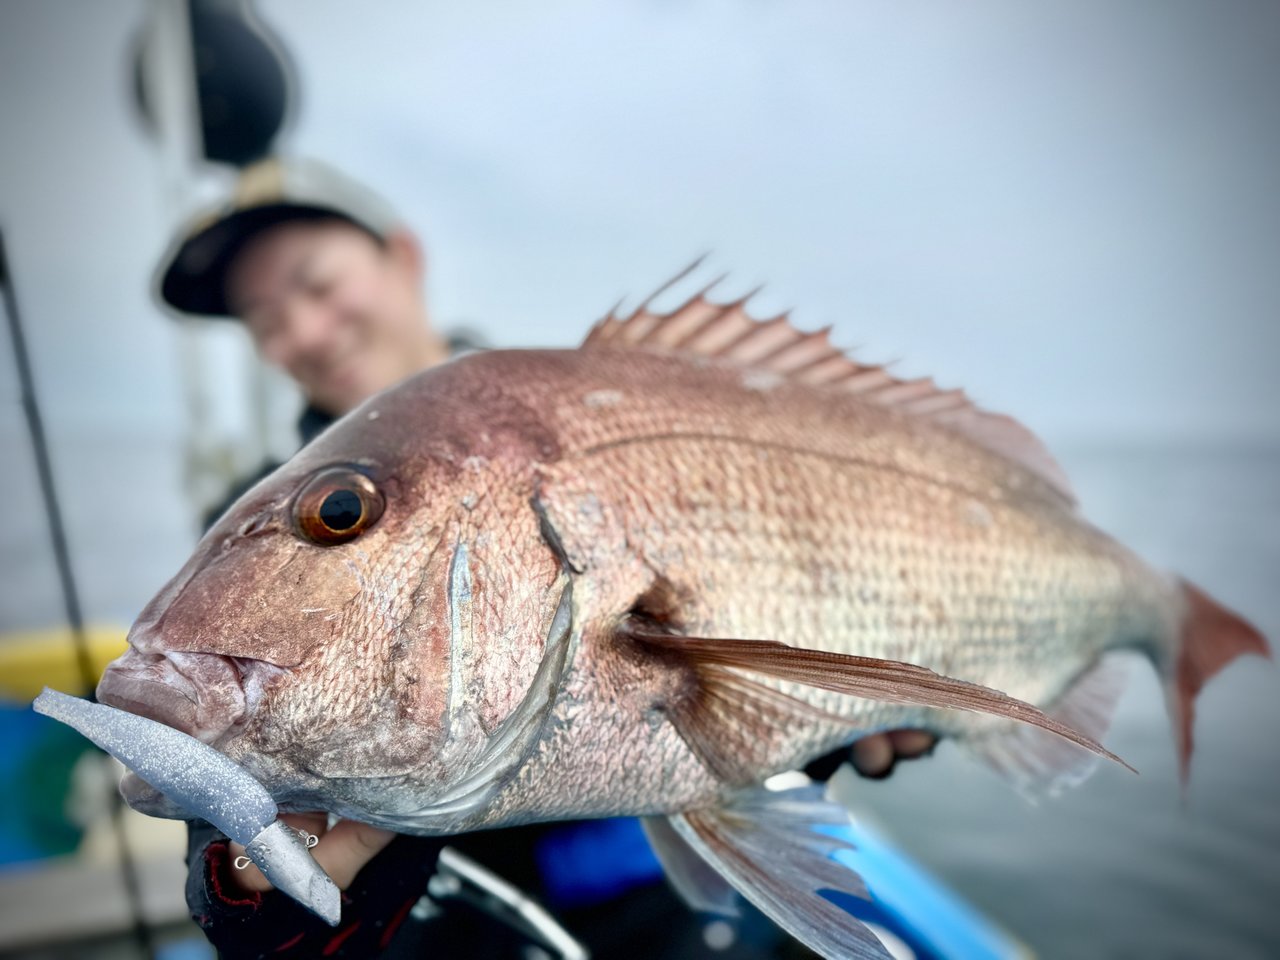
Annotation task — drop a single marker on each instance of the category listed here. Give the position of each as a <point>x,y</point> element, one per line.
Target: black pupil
<point>341,510</point>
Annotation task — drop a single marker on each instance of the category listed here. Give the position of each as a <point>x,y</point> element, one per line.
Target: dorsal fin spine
<point>906,391</point>
<point>758,350</point>
<point>824,371</point>
<point>866,380</point>
<point>669,320</point>
<point>643,306</point>
<point>728,308</point>
<point>732,348</point>
<point>777,359</point>
<point>936,404</point>
<point>830,353</point>
<point>689,342</point>
<point>725,332</point>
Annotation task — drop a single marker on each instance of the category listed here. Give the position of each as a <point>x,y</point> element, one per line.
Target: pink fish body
<point>640,578</point>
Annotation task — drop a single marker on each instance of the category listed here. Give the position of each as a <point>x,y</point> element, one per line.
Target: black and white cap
<point>192,275</point>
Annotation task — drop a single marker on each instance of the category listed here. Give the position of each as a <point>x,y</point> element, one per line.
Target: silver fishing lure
<point>207,785</point>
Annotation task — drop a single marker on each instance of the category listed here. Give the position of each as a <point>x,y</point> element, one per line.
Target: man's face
<point>340,313</point>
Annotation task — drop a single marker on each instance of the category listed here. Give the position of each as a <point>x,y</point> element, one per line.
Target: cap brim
<point>195,280</point>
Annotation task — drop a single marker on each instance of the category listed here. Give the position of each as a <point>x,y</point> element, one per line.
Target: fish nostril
<point>257,526</point>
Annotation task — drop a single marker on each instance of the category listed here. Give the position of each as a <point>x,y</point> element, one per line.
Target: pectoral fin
<point>1039,763</point>
<point>771,847</point>
<point>710,717</point>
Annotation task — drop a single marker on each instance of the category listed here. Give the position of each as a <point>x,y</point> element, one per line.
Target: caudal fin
<point>1212,636</point>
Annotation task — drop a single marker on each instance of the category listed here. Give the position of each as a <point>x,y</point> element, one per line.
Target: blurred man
<point>330,284</point>
<point>325,277</point>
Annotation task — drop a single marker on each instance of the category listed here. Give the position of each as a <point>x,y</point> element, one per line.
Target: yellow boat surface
<point>31,660</point>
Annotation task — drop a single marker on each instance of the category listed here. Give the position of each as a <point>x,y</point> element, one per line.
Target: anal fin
<point>696,881</point>
<point>772,848</point>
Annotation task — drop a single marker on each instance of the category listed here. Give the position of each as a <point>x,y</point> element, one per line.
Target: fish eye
<point>336,506</point>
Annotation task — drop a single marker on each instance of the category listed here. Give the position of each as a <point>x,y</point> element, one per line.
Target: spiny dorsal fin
<point>775,348</point>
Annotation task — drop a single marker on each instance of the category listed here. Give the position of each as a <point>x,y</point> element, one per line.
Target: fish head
<point>359,628</point>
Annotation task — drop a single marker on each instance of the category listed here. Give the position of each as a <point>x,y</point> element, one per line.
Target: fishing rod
<point>70,595</point>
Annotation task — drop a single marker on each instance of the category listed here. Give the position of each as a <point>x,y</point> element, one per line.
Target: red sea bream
<point>643,576</point>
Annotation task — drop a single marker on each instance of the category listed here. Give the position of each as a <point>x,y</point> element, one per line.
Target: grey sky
<point>1073,209</point>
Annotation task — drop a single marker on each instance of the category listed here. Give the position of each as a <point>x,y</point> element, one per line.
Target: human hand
<point>875,756</point>
<point>341,852</point>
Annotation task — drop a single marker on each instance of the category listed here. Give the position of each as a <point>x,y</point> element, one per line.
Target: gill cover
<point>511,743</point>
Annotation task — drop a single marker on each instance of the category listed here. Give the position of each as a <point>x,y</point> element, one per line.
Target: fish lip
<point>200,694</point>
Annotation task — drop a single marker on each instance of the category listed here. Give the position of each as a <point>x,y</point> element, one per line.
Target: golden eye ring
<point>336,506</point>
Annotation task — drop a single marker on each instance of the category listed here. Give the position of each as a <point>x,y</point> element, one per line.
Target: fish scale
<point>747,584</point>
<point>640,577</point>
<point>614,443</point>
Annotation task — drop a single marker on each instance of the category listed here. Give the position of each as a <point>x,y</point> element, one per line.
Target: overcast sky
<point>1071,208</point>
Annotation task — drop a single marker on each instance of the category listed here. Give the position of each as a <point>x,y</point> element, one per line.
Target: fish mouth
<point>200,694</point>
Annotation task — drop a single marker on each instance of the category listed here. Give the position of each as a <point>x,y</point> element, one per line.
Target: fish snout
<point>201,694</point>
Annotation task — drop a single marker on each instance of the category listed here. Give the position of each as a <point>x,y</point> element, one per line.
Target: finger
<point>873,756</point>
<point>909,744</point>
<point>247,877</point>
<point>346,848</point>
